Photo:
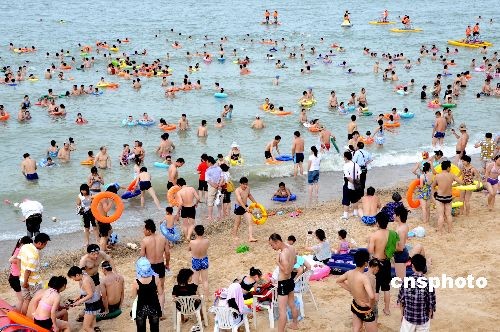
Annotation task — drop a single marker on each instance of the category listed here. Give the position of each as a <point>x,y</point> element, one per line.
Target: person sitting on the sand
<point>344,246</point>
<point>322,251</point>
<point>390,207</point>
<point>283,191</point>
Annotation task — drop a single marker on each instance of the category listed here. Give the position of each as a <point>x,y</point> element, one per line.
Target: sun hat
<point>235,145</point>
<point>143,268</point>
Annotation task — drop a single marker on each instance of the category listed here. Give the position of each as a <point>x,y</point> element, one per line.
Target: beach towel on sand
<point>392,241</point>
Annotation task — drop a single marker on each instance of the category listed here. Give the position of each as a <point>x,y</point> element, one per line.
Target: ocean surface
<point>148,24</point>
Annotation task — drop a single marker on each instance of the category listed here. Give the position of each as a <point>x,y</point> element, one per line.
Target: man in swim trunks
<point>351,127</point>
<point>324,138</point>
<point>463,139</point>
<point>28,168</point>
<point>358,284</point>
<point>401,255</point>
<point>139,151</point>
<point>286,259</point>
<point>442,186</point>
<point>439,129</point>
<point>370,205</point>
<point>199,261</point>
<point>242,194</point>
<point>90,262</point>
<point>166,146</point>
<point>173,174</point>
<point>377,243</point>
<point>155,248</point>
<point>112,288</point>
<point>298,153</point>
<point>102,159</point>
<point>144,184</point>
<point>188,200</point>
<point>268,152</point>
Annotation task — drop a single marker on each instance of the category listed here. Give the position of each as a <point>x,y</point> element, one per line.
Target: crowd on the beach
<point>102,288</point>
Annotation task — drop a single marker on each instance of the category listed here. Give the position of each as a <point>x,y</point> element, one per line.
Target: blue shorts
<point>401,256</point>
<point>312,177</point>
<point>199,264</point>
<point>32,177</point>
<point>380,140</point>
<point>439,134</point>
<point>368,220</point>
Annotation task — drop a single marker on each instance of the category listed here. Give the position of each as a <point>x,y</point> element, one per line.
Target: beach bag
<point>355,181</point>
<point>229,186</point>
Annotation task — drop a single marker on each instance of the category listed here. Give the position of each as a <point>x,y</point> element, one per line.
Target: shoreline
<point>381,178</point>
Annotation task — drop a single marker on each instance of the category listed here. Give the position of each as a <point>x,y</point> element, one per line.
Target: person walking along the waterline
<point>298,153</point>
<point>313,165</point>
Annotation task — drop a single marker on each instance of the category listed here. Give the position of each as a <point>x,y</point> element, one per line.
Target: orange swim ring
<point>171,195</point>
<point>409,194</point>
<point>118,204</point>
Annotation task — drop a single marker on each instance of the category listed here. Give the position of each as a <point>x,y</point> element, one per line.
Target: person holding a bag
<point>362,158</point>
<point>352,185</point>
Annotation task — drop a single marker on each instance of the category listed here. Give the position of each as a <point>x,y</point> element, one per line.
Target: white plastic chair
<point>269,307</point>
<point>188,308</point>
<point>224,319</point>
<point>302,287</point>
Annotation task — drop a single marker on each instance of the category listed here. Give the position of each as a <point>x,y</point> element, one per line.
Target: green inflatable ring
<point>366,113</point>
<point>448,105</point>
<point>109,315</point>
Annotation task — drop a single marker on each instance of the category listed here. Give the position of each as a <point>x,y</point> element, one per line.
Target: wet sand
<point>470,249</point>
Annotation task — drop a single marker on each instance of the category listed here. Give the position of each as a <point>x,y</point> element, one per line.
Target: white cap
<point>235,145</point>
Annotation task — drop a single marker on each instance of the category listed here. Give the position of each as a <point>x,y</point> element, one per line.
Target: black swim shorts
<point>267,154</point>
<point>298,158</point>
<point>188,212</point>
<point>202,185</point>
<point>364,313</point>
<point>239,210</point>
<point>159,268</point>
<point>285,287</point>
<point>88,219</point>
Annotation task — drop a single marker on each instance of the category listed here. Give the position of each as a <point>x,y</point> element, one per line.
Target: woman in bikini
<point>491,184</point>
<point>469,174</point>
<point>424,192</point>
<point>46,306</point>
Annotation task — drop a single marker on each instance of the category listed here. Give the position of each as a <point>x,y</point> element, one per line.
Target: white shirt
<point>349,169</point>
<point>361,157</point>
<point>29,208</point>
<point>315,161</point>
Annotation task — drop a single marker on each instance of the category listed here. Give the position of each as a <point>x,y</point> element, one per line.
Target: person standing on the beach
<point>202,183</point>
<point>362,158</point>
<point>155,248</point>
<point>14,280</point>
<point>242,194</point>
<point>439,129</point>
<point>83,202</point>
<point>488,147</point>
<point>463,139</point>
<point>401,255</point>
<point>104,207</point>
<point>173,173</point>
<point>90,261</point>
<point>213,176</point>
<point>351,127</point>
<point>418,304</point>
<point>358,283</point>
<point>381,245</point>
<point>285,260</point>
<point>32,213</point>
<point>188,200</point>
<point>492,173</point>
<point>313,165</point>
<point>442,186</point>
<point>298,153</point>
<point>199,261</point>
<point>28,168</point>
<point>30,278</point>
<point>350,195</point>
<point>112,288</point>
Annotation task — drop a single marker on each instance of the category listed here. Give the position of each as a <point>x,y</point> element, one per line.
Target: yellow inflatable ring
<point>457,204</point>
<point>454,169</point>
<point>263,218</point>
<point>469,186</point>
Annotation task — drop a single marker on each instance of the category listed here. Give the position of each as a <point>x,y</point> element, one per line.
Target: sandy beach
<point>469,249</point>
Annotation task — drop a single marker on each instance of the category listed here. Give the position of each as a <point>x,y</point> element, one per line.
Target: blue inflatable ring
<point>283,199</point>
